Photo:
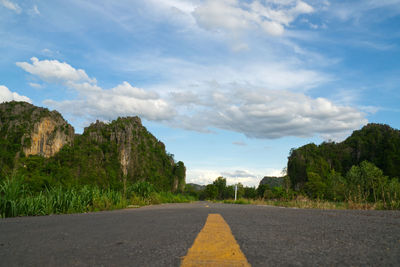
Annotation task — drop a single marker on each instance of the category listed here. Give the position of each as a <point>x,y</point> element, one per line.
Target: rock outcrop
<point>39,131</point>
<point>141,156</point>
<point>272,181</point>
<point>108,154</point>
<point>48,137</point>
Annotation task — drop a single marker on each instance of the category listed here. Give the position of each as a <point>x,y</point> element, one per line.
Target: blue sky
<point>229,86</point>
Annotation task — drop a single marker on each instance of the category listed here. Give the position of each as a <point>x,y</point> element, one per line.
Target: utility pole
<point>235,191</point>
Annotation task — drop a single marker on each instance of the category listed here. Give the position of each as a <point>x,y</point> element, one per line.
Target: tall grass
<point>307,203</point>
<point>17,200</point>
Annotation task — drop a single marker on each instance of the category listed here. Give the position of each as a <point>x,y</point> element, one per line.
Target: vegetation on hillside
<point>364,168</point>
<point>119,164</point>
<point>362,171</point>
<point>106,155</point>
<point>376,143</point>
<point>110,165</point>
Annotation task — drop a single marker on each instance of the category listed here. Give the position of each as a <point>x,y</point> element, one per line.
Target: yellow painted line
<point>215,246</point>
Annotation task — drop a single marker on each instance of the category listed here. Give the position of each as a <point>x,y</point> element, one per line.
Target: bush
<point>142,189</point>
<point>18,200</point>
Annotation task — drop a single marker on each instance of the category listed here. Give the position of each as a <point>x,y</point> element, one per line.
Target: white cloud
<point>235,16</point>
<point>129,91</point>
<point>363,10</point>
<point>268,114</point>
<point>201,176</point>
<point>257,101</point>
<point>287,74</point>
<point>107,104</point>
<point>55,71</point>
<point>35,85</point>
<point>34,11</point>
<point>50,53</point>
<point>239,174</point>
<point>94,101</point>
<point>10,5</point>
<point>232,176</point>
<point>6,95</point>
<point>184,6</point>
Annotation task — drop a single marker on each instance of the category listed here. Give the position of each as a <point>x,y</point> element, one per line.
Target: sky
<point>229,86</point>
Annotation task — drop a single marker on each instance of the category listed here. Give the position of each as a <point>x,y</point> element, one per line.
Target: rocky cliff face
<point>272,181</point>
<point>123,133</point>
<point>48,137</point>
<point>141,156</point>
<point>108,154</point>
<point>34,130</point>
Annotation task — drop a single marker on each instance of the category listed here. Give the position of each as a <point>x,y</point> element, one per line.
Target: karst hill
<point>40,145</point>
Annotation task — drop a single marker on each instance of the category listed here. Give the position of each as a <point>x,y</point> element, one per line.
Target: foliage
<point>210,192</point>
<point>272,181</point>
<point>250,192</point>
<point>315,187</point>
<point>180,175</point>
<point>92,158</point>
<point>17,200</point>
<point>361,169</point>
<point>376,143</point>
<point>142,189</point>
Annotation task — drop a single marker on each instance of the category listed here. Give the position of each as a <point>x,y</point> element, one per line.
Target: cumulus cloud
<point>244,105</point>
<point>122,100</point>
<point>234,16</point>
<point>232,176</point>
<point>94,101</point>
<point>55,71</point>
<point>205,176</point>
<point>11,6</point>
<point>6,95</point>
<point>269,114</point>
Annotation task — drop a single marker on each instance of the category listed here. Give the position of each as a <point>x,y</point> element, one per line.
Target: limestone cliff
<point>32,130</point>
<point>48,137</point>
<point>272,181</point>
<point>141,156</point>
<point>107,154</point>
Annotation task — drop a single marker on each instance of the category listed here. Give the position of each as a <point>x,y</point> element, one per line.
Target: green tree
<point>250,192</point>
<point>315,187</point>
<point>220,184</point>
<point>261,190</point>
<point>336,186</point>
<point>366,182</point>
<point>210,192</point>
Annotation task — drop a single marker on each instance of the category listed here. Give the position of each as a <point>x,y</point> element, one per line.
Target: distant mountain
<point>196,187</point>
<point>272,181</point>
<point>376,143</point>
<point>42,146</point>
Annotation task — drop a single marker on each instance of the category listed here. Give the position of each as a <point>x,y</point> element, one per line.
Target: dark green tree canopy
<point>376,143</point>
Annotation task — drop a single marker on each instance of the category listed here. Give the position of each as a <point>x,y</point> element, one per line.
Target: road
<point>162,235</point>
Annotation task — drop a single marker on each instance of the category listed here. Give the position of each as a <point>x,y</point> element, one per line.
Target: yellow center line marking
<point>215,246</point>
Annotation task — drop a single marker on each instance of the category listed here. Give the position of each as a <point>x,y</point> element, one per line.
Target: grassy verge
<point>17,200</point>
<point>306,203</point>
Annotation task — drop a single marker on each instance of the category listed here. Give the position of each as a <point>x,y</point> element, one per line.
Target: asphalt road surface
<point>161,235</point>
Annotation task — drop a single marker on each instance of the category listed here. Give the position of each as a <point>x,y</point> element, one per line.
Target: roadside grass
<point>307,203</point>
<point>17,200</point>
